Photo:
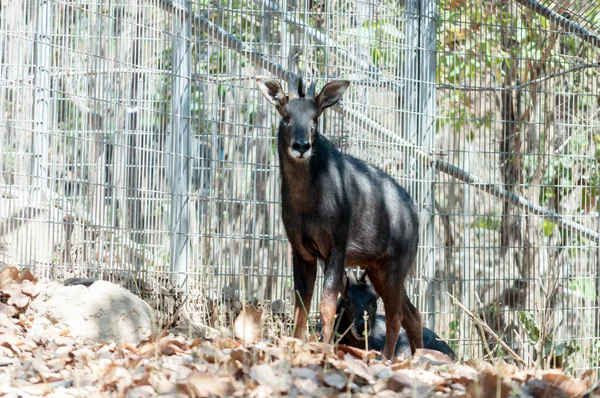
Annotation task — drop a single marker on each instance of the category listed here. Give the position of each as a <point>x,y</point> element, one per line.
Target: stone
<point>103,313</point>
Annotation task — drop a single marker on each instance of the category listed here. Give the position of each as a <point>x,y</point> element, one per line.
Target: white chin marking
<point>300,156</point>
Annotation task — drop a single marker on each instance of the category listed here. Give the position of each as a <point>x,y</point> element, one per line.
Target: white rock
<point>104,312</point>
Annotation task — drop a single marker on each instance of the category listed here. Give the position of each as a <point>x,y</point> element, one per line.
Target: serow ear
<point>331,94</point>
<point>273,92</point>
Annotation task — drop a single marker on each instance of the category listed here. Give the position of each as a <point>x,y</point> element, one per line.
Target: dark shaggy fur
<point>359,298</point>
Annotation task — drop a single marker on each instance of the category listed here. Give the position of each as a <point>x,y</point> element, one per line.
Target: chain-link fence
<point>135,143</point>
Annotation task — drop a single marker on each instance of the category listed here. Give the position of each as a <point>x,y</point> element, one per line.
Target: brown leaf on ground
<point>316,346</point>
<point>431,356</point>
<point>170,345</point>
<point>571,386</point>
<point>357,352</point>
<point>26,275</point>
<point>203,385</point>
<point>490,384</point>
<point>43,358</point>
<point>8,276</point>
<point>543,388</point>
<point>248,325</point>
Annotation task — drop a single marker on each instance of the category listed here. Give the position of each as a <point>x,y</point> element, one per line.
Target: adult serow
<point>341,210</point>
<point>357,316</point>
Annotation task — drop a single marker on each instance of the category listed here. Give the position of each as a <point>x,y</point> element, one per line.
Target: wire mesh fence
<point>135,146</point>
<point>519,108</point>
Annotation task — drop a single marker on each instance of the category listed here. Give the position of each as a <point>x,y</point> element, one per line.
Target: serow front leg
<point>332,286</point>
<point>305,274</point>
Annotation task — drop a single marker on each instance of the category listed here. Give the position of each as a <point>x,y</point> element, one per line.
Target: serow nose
<point>301,146</point>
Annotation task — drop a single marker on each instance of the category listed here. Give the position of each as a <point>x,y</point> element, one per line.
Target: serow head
<point>300,111</point>
<point>360,303</point>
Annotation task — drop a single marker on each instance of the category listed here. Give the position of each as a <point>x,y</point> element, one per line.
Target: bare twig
<point>482,324</point>
<point>519,86</point>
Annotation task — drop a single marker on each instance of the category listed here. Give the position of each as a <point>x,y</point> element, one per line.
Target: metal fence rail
<point>136,146</point>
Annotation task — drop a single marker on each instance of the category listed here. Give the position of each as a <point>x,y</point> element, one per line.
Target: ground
<point>50,361</point>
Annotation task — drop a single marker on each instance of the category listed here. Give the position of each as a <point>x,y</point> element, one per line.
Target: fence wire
<point>518,101</point>
<point>137,148</point>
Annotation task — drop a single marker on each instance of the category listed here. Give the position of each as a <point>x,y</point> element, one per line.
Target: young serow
<point>341,210</point>
<point>357,317</point>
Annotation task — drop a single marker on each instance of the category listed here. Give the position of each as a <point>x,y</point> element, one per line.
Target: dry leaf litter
<point>40,356</point>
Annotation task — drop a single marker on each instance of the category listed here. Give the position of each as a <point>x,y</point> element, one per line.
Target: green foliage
<point>454,334</point>
<point>585,287</point>
<point>487,222</point>
<point>547,228</point>
<point>546,348</point>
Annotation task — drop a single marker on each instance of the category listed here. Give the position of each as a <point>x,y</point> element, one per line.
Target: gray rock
<point>102,313</point>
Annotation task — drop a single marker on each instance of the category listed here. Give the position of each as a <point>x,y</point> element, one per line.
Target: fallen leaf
<point>262,392</point>
<point>37,389</point>
<point>356,367</point>
<point>8,276</point>
<point>380,371</point>
<point>141,392</point>
<point>305,358</point>
<point>334,379</point>
<point>265,375</point>
<point>317,346</point>
<point>422,375</point>
<point>542,388</point>
<point>433,357</point>
<point>161,384</point>
<point>306,386</point>
<point>26,275</point>
<point>203,385</point>
<point>491,384</point>
<point>29,289</point>
<point>16,297</point>
<point>248,325</point>
<point>573,387</point>
<point>8,310</point>
<point>399,382</point>
<point>8,323</point>
<point>357,352</point>
<point>171,345</point>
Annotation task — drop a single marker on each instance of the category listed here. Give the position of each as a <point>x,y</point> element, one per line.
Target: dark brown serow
<point>358,323</point>
<point>341,210</point>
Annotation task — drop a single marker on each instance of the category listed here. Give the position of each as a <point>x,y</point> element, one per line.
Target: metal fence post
<point>426,135</point>
<point>180,145</point>
<point>419,129</point>
<point>41,110</point>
